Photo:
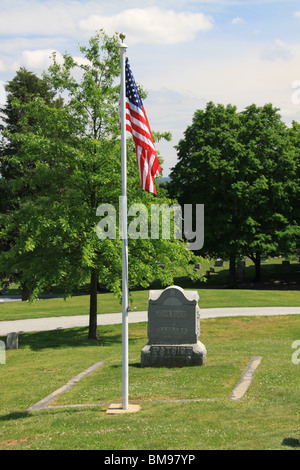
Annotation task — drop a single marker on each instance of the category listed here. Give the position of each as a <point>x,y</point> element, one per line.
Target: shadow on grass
<point>14,416</point>
<point>24,414</point>
<point>137,365</point>
<point>73,337</point>
<point>291,442</point>
<point>273,277</point>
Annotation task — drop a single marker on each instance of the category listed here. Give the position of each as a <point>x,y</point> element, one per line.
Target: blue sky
<point>185,53</point>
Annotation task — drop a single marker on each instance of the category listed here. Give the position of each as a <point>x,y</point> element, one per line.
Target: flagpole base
<point>116,408</point>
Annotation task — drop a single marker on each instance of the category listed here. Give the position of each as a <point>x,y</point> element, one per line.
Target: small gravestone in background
<point>241,270</point>
<point>219,262</point>
<point>173,330</point>
<point>12,341</point>
<point>286,266</point>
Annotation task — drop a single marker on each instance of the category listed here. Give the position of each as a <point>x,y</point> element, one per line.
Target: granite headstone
<point>12,341</point>
<point>173,330</point>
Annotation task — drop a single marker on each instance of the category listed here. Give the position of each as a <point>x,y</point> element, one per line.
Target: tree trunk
<point>26,292</point>
<point>93,305</point>
<point>232,272</point>
<point>257,277</point>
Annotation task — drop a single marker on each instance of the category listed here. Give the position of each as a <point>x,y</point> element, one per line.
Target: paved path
<point>11,298</point>
<point>53,323</point>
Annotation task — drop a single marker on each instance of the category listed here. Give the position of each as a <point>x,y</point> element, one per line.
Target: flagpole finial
<point>122,36</point>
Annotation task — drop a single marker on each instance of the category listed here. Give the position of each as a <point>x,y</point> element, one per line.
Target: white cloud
<point>13,45</point>
<point>55,18</point>
<point>8,64</point>
<point>241,79</point>
<point>27,18</point>
<point>151,25</point>
<point>278,52</point>
<point>40,58</point>
<point>237,20</point>
<point>297,14</point>
<point>82,61</point>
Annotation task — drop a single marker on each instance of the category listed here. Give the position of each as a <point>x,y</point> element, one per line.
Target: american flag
<point>137,123</point>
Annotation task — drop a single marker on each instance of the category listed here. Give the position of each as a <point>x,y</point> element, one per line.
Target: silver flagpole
<point>123,49</point>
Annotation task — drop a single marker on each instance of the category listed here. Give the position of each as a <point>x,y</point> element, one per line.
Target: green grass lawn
<point>212,294</point>
<point>266,418</point>
<point>108,303</point>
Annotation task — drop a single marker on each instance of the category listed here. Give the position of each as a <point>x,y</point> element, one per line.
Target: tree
<point>293,189</point>
<point>269,181</point>
<point>70,157</point>
<point>242,167</point>
<point>206,173</point>
<point>23,88</point>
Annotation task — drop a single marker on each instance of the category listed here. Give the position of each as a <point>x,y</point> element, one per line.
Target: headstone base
<point>116,408</point>
<point>172,355</point>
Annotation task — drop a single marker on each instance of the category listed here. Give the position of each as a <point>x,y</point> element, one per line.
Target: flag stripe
<point>136,110</point>
<point>133,124</point>
<point>137,123</point>
<point>143,140</point>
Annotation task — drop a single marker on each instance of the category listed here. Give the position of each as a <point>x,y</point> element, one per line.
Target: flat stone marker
<point>242,386</point>
<point>12,341</point>
<point>116,408</point>
<point>173,330</point>
<point>42,404</point>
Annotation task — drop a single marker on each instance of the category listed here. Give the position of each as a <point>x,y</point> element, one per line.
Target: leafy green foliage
<point>244,167</point>
<point>70,161</point>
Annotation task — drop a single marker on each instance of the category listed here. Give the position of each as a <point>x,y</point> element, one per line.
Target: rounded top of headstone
<point>190,295</point>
